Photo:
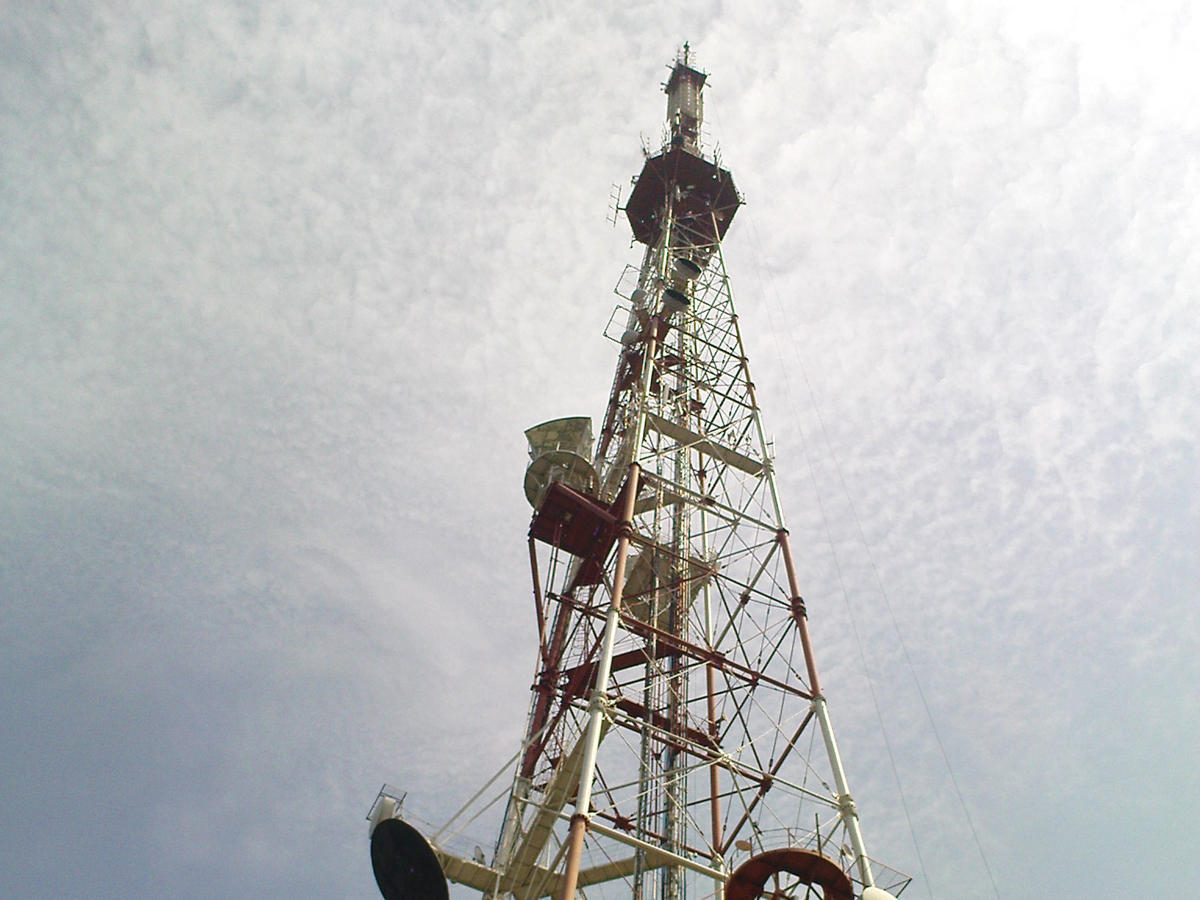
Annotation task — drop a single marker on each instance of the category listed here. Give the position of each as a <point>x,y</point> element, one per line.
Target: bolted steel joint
<point>799,610</point>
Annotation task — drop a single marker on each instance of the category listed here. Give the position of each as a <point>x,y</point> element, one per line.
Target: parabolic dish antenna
<point>404,864</point>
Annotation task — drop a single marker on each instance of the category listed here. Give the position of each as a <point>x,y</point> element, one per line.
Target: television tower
<point>679,744</point>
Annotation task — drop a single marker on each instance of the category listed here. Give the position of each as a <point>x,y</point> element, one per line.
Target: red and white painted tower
<point>679,744</point>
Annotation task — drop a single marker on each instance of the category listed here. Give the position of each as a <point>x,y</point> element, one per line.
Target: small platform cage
<point>559,451</point>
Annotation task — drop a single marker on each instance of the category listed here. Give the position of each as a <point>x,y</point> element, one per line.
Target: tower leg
<point>849,813</point>
<point>579,821</point>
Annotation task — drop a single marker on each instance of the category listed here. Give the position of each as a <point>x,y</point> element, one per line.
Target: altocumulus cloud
<point>282,285</point>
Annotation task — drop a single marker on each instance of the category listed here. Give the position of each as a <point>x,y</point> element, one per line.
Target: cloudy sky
<point>282,283</point>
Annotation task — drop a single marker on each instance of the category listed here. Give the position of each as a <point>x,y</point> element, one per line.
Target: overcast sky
<point>282,284</point>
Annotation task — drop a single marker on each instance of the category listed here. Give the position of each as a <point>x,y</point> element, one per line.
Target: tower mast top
<point>685,103</point>
<point>701,194</point>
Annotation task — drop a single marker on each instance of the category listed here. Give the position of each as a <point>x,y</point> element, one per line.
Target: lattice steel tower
<point>678,743</point>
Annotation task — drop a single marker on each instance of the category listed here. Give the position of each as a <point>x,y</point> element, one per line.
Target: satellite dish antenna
<point>406,867</point>
<point>674,300</point>
<point>686,268</point>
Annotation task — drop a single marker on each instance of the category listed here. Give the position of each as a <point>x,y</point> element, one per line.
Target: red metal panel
<point>705,201</point>
<point>574,522</point>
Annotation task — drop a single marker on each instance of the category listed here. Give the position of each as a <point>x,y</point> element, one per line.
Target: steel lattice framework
<point>678,742</point>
